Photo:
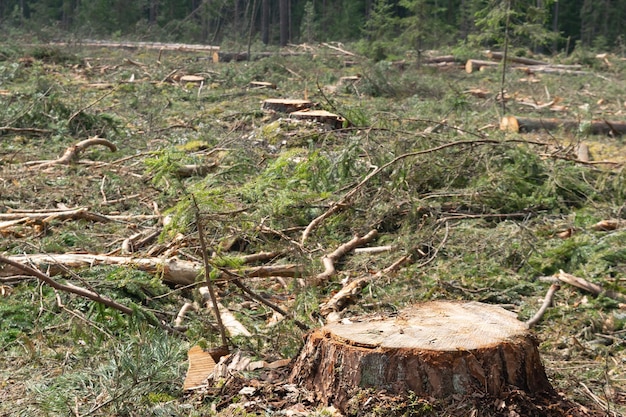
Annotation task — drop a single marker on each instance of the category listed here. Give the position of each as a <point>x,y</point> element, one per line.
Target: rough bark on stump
<point>434,349</point>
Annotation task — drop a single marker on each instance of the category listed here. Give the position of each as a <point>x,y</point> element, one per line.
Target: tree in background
<point>389,27</point>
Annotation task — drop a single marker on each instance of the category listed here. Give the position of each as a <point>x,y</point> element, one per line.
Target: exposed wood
<point>439,59</point>
<point>547,301</point>
<point>329,260</point>
<point>196,79</point>
<point>611,224</point>
<point>234,327</point>
<point>437,349</point>
<point>48,216</point>
<point>178,322</point>
<point>549,69</point>
<point>185,171</point>
<point>594,289</point>
<point>285,105</point>
<point>499,56</point>
<point>72,153</point>
<point>596,127</point>
<point>338,49</point>
<point>349,291</point>
<point>201,365</point>
<point>321,116</point>
<point>262,84</point>
<point>171,270</point>
<point>182,47</point>
<point>476,64</point>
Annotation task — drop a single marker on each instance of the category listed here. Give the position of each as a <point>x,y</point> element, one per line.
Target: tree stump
<point>435,349</point>
<point>285,105</point>
<point>321,116</point>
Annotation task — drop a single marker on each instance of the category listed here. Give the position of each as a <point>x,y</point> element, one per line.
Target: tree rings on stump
<point>321,116</point>
<point>436,350</point>
<point>285,105</point>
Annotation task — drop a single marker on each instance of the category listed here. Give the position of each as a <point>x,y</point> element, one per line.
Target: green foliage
<point>141,377</point>
<point>522,21</point>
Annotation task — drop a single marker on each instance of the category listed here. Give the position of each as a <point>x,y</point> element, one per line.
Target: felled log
<point>262,84</point>
<point>144,45</point>
<point>551,69</point>
<point>437,349</point>
<point>219,56</point>
<point>499,56</point>
<point>171,270</point>
<point>476,64</point>
<point>285,105</point>
<point>596,127</point>
<point>321,116</point>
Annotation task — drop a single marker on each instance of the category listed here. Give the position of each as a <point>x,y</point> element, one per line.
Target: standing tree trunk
<point>283,8</point>
<point>152,18</point>
<point>265,21</point>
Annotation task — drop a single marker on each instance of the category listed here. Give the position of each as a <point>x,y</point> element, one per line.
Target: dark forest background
<point>382,27</point>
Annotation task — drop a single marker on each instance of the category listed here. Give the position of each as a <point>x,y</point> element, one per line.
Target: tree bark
<point>172,270</point>
<point>437,349</point>
<point>595,127</point>
<point>283,8</point>
<point>265,21</point>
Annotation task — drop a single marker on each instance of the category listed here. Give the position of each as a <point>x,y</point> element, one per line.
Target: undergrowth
<point>482,212</point>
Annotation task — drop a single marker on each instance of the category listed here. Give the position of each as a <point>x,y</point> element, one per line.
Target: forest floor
<point>183,149</point>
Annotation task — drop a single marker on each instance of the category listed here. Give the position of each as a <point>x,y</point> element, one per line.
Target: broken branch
<point>546,303</point>
<point>329,260</point>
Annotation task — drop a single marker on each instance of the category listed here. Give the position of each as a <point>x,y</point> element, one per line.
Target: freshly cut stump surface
<point>435,349</point>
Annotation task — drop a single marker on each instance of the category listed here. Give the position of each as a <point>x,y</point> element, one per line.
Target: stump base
<point>435,350</point>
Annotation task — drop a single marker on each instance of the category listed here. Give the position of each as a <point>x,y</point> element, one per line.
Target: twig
<point>79,111</point>
<point>341,299</point>
<point>207,275</point>
<point>252,294</point>
<point>178,322</point>
<point>544,307</point>
<point>343,202</point>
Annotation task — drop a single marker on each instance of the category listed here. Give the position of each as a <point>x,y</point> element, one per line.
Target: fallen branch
<point>23,130</point>
<point>207,274</point>
<point>81,213</point>
<point>236,279</point>
<point>547,302</point>
<point>329,260</point>
<point>594,289</point>
<point>172,270</point>
<point>343,202</point>
<point>347,294</point>
<point>596,127</point>
<point>67,287</point>
<point>72,153</point>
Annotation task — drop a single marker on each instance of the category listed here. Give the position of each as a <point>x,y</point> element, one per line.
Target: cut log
<point>193,79</point>
<point>262,84</point>
<point>499,56</point>
<point>321,116</point>
<point>437,349</point>
<point>285,105</point>
<point>476,64</point>
<point>596,127</point>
